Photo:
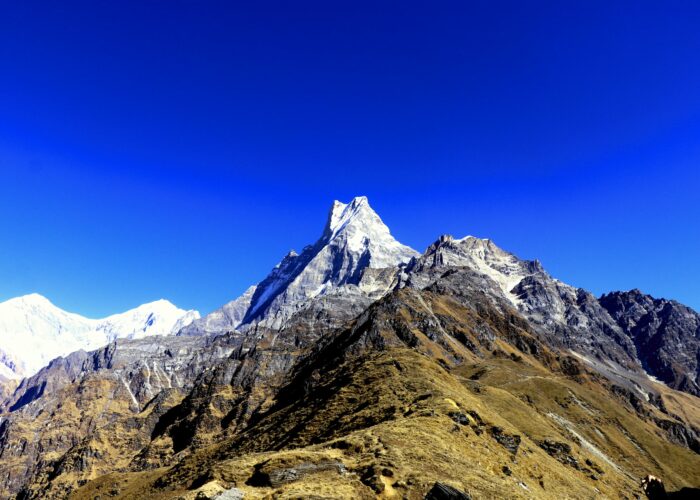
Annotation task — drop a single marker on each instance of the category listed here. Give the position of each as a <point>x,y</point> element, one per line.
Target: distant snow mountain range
<point>33,331</point>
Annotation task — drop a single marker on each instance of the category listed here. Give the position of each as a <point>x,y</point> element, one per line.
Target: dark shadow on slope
<point>32,394</point>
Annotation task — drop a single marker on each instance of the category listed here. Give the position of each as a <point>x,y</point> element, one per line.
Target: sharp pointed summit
<point>359,227</point>
<point>353,239</point>
<point>342,213</point>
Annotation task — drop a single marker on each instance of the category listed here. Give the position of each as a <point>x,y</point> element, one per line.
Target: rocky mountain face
<point>464,369</point>
<point>353,240</point>
<point>568,317</point>
<point>666,336</point>
<point>33,331</point>
<point>98,408</point>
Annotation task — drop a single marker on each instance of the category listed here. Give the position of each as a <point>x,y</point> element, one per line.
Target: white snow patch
<point>33,331</point>
<point>133,398</point>
<point>656,380</point>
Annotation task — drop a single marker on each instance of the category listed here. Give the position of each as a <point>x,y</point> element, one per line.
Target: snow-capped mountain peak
<point>353,239</point>
<point>343,213</point>
<point>33,330</point>
<point>358,227</point>
<point>154,318</point>
<point>31,298</point>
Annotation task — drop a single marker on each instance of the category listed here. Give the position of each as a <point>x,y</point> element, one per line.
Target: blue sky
<point>180,149</point>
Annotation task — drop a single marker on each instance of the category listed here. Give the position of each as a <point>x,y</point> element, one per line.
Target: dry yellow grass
<point>416,441</point>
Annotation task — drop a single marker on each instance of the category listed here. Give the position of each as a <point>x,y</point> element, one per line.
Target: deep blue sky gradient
<point>180,149</point>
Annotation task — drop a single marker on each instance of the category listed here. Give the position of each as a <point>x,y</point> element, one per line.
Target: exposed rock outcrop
<point>666,336</point>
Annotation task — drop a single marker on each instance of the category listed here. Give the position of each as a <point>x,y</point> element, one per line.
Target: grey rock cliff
<point>565,316</point>
<point>666,335</point>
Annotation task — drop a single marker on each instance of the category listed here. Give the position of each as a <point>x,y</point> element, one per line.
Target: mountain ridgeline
<point>354,240</point>
<point>360,368</point>
<point>33,331</point>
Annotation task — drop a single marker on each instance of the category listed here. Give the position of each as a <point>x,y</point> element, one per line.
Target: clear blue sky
<point>180,149</point>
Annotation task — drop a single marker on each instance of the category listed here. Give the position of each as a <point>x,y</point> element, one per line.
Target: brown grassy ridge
<point>407,438</point>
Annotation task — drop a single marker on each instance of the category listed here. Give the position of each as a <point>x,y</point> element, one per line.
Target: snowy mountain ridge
<point>33,331</point>
<point>354,239</point>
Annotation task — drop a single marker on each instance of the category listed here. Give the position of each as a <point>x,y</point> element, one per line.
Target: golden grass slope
<point>392,423</point>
